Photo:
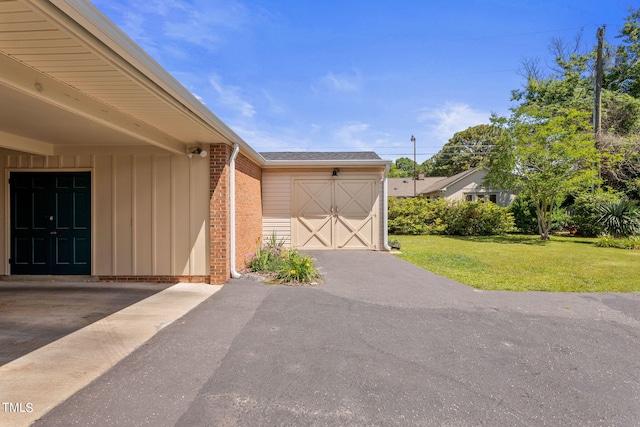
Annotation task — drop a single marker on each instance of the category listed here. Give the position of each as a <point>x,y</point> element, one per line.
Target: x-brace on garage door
<point>335,214</point>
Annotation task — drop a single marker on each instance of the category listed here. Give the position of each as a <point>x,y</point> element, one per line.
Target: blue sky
<point>353,75</point>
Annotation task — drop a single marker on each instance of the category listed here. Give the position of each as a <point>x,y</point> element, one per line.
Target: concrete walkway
<point>381,342</point>
<point>33,384</point>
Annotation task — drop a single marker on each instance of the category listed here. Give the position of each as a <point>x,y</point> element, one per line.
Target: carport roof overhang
<point>69,78</point>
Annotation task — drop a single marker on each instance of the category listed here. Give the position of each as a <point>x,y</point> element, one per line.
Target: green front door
<point>50,222</point>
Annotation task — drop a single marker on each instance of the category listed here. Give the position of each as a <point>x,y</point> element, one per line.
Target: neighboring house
<point>466,185</point>
<point>115,170</point>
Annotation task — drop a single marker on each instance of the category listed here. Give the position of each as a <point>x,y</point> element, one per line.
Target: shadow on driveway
<point>34,314</point>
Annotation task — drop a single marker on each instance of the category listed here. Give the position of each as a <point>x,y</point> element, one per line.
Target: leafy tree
<point>396,172</point>
<point>402,168</point>
<point>467,149</point>
<point>570,84</point>
<point>545,155</point>
<point>624,76</point>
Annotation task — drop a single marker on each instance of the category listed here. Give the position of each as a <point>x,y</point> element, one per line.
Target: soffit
<point>85,76</point>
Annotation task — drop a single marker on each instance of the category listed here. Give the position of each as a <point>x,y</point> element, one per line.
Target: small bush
<point>524,215</point>
<point>585,212</point>
<point>607,241</point>
<point>620,219</point>
<point>269,257</point>
<point>298,268</point>
<point>284,264</point>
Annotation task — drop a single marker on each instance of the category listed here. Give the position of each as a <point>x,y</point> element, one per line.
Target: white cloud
<point>444,121</point>
<point>203,23</point>
<point>275,139</point>
<point>352,135</point>
<point>229,96</point>
<point>342,82</point>
<point>274,104</point>
<point>360,136</point>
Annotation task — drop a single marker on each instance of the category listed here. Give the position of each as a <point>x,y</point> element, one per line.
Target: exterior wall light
<point>199,151</point>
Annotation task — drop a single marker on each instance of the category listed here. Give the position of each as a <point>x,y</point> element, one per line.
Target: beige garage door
<point>335,214</point>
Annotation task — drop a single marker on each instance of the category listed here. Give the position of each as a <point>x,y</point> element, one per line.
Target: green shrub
<point>269,256</point>
<point>524,215</point>
<point>620,219</point>
<point>420,216</point>
<point>287,265</point>
<point>477,219</point>
<point>416,216</point>
<point>298,268</point>
<point>608,241</point>
<point>585,212</point>
<point>526,220</point>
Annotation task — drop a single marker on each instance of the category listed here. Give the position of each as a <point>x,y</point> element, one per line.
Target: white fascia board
<point>270,164</point>
<point>93,21</point>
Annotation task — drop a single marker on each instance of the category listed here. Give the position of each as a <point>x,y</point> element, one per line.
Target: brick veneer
<point>219,157</point>
<point>248,210</point>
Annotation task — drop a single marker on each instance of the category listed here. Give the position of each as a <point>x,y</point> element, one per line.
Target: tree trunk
<point>544,220</point>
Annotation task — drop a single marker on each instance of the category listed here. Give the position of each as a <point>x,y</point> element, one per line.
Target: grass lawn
<point>525,263</point>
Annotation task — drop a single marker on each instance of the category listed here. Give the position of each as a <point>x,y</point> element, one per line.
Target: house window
<point>471,197</point>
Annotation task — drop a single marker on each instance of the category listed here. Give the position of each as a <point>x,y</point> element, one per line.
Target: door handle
<point>53,232</point>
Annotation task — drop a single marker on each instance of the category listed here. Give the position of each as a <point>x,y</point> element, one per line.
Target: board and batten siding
<point>277,189</point>
<point>150,210</point>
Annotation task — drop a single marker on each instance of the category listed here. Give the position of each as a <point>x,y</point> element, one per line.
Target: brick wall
<point>248,177</point>
<point>219,157</point>
<point>248,208</point>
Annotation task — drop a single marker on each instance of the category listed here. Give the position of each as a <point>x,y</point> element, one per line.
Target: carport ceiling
<point>80,81</point>
<point>34,119</point>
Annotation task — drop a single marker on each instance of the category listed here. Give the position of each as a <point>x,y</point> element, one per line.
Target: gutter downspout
<point>385,207</point>
<point>232,212</point>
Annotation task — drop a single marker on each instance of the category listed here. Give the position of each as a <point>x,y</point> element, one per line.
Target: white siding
<point>277,194</point>
<point>276,205</point>
<point>150,210</point>
<point>469,184</point>
<point>472,184</point>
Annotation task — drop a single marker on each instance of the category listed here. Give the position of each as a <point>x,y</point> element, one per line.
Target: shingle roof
<point>403,187</point>
<point>437,186</point>
<point>320,155</point>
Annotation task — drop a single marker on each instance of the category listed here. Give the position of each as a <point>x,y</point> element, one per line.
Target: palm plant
<point>620,219</point>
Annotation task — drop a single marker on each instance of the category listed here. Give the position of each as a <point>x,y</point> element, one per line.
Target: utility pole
<point>597,98</point>
<point>415,176</point>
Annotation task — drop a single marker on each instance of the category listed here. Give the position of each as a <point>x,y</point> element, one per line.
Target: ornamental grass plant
<point>281,264</point>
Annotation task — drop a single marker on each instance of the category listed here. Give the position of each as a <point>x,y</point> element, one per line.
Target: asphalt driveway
<point>382,342</point>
